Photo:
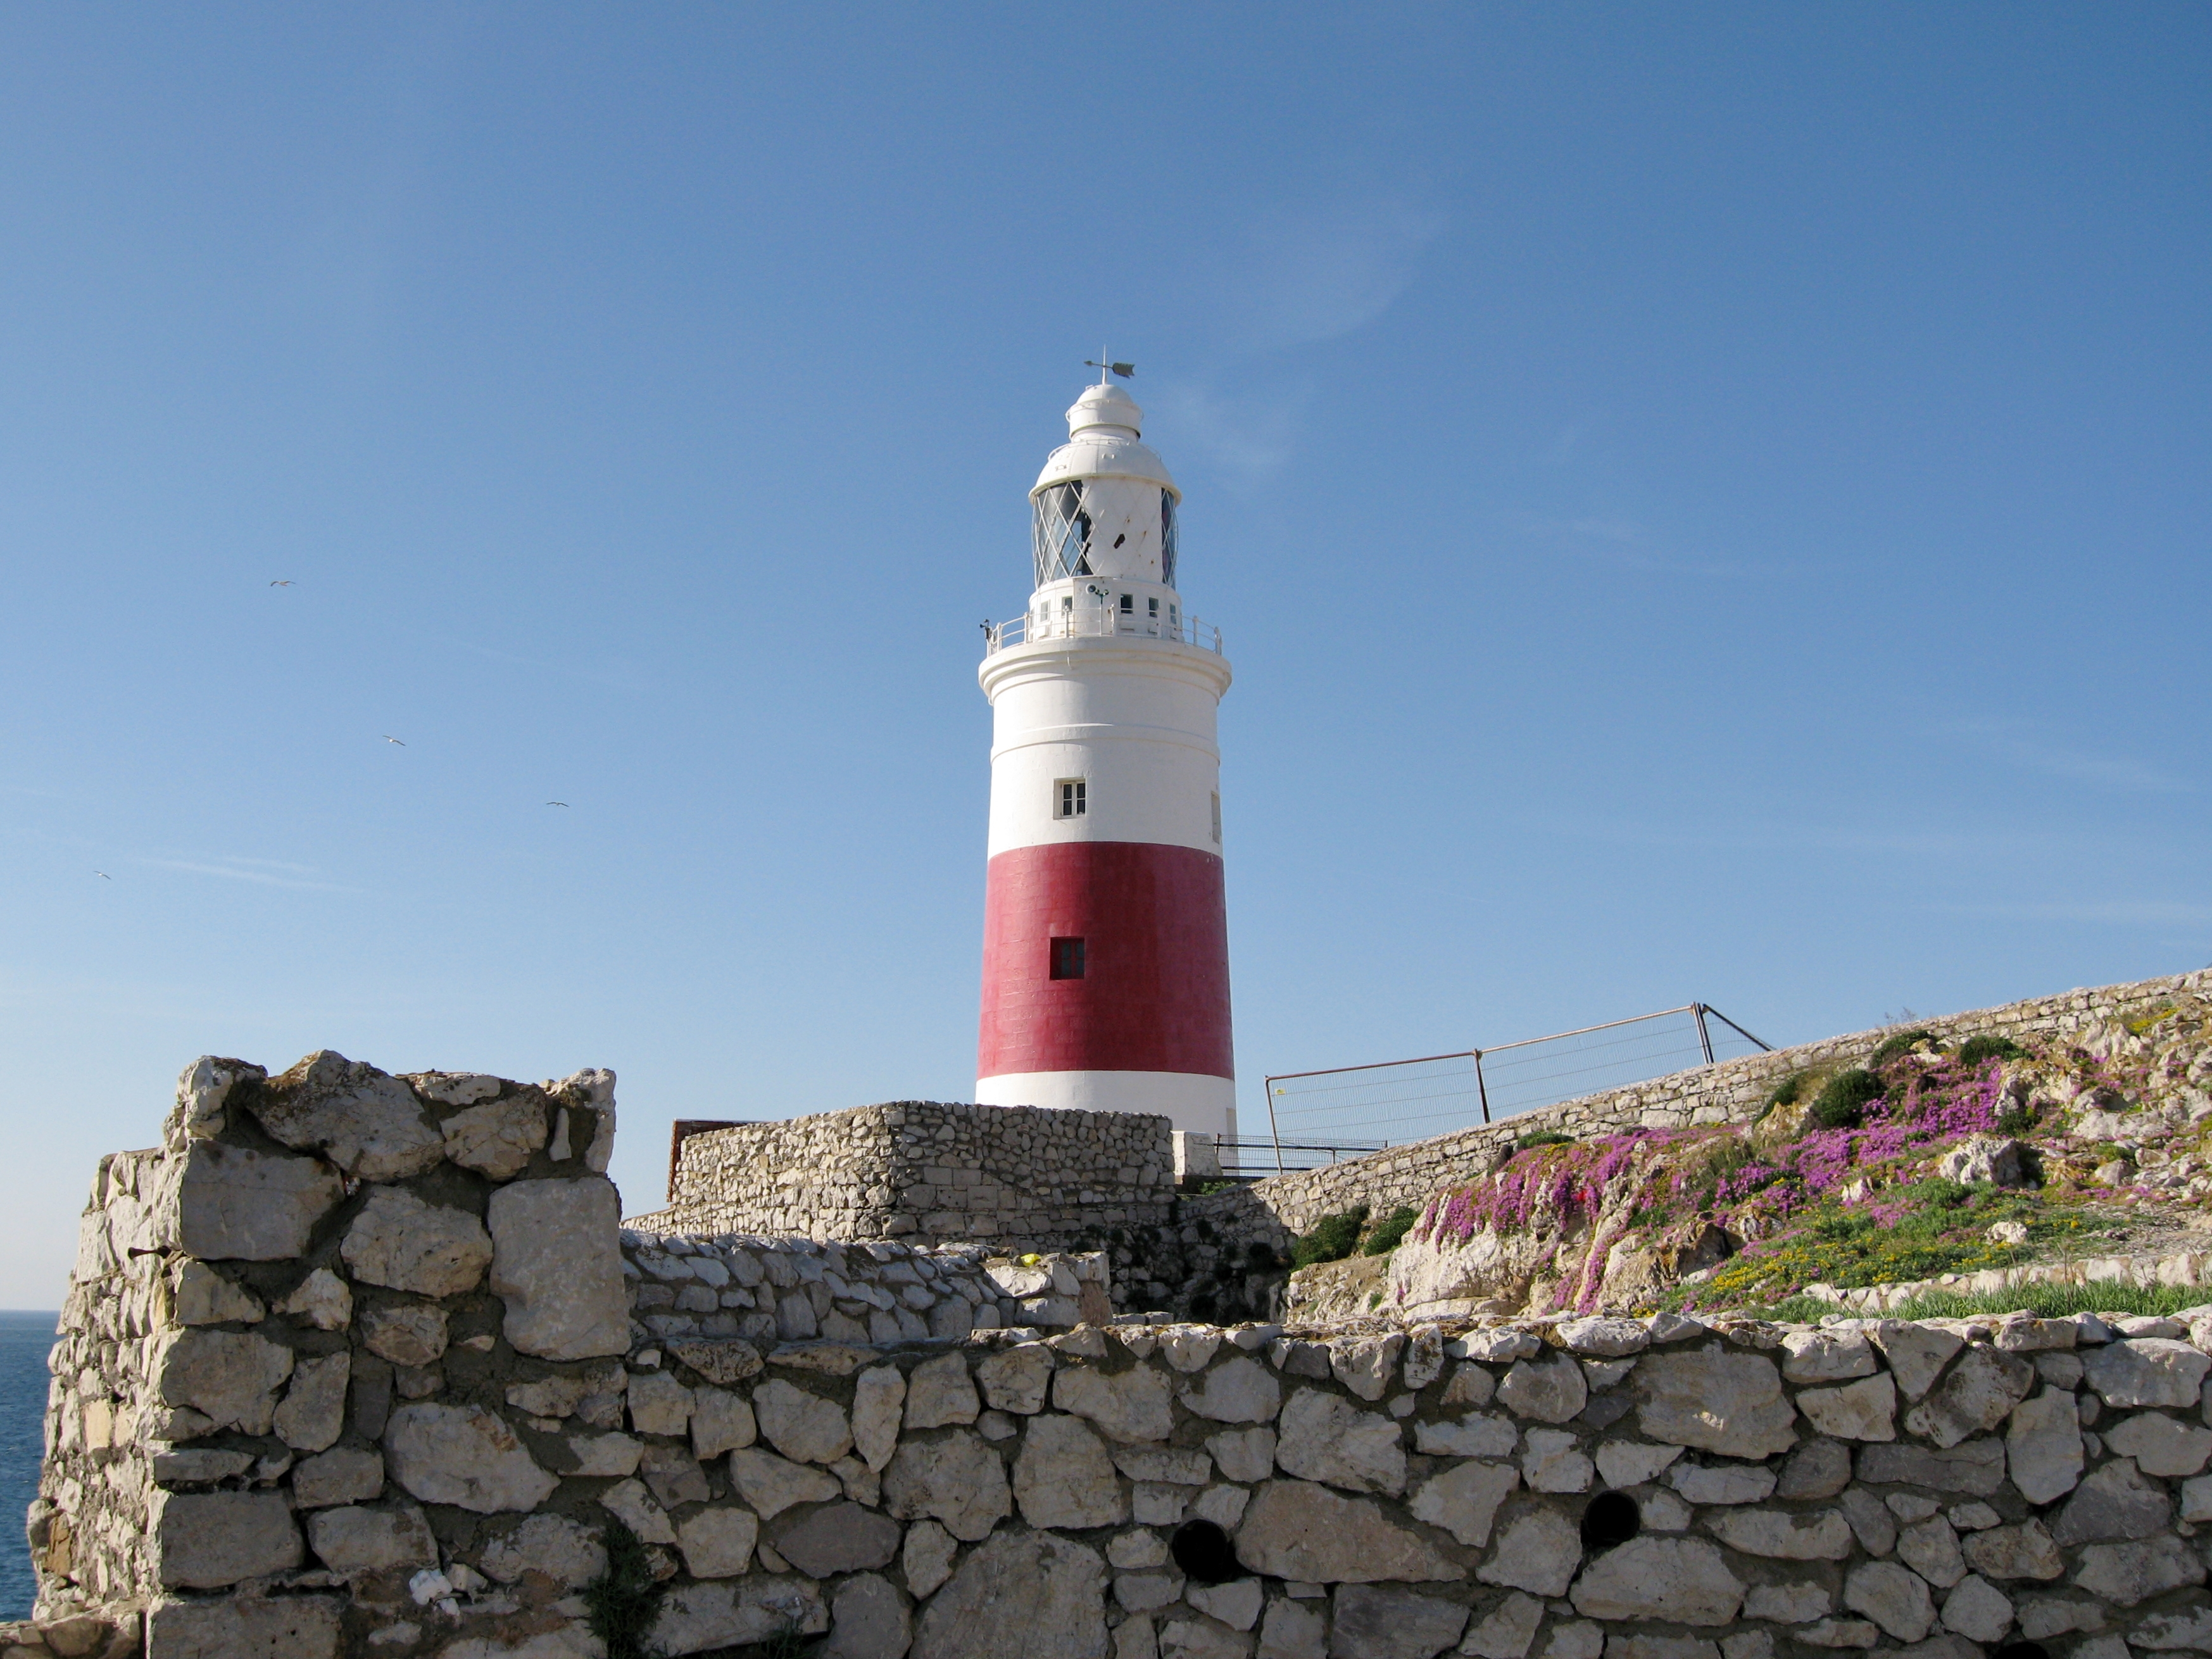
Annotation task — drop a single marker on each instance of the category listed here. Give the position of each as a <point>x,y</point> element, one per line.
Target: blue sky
<point>1704,502</point>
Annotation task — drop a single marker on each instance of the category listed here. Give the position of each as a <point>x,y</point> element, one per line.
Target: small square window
<point>1071,802</point>
<point>1128,605</point>
<point>1155,603</point>
<point>1067,958</point>
<point>1216,816</point>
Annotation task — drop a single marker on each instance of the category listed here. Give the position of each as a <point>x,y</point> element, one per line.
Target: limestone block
<point>455,1088</point>
<point>1131,1408</point>
<point>1725,1483</point>
<point>1297,1529</point>
<point>1477,1434</point>
<point>497,1137</point>
<point>2026,1550</point>
<point>772,1484</point>
<point>2114,1502</point>
<point>672,1474</point>
<point>878,1395</point>
<point>1978,1611</point>
<point>1187,1347</point>
<point>346,1475</point>
<point>234,1205</point>
<point>1464,1499</point>
<point>658,1404</point>
<point>204,1296</point>
<point>368,1124</point>
<point>2146,1371</point>
<point>1683,1581</point>
<point>557,1549</point>
<point>1365,1364</point>
<point>1577,1638</point>
<point>1249,1454</point>
<point>1865,1410</point>
<point>1789,1603</point>
<point>1163,1465</point>
<point>1826,1356</point>
<point>727,1613</point>
<point>1632,1462</point>
<point>1325,1438</point>
<point>209,1540</point>
<point>1189,1639</point>
<point>604,1456</point>
<point>1508,1630</point>
<point>1780,1535</point>
<point>1022,1596</point>
<point>1063,1477</point>
<point>2051,1615</point>
<point>229,1376</point>
<point>1015,1379</point>
<point>722,1421</point>
<point>1894,1598</point>
<point>630,1502</point>
<point>1239,1391</point>
<point>203,1089</point>
<point>1389,1621</point>
<point>1471,1385</point>
<point>1917,1353</point>
<point>314,1412</point>
<point>940,1392</point>
<point>868,1619</point>
<point>1425,1357</point>
<point>1605,1337</point>
<point>719,1359</point>
<point>1551,1390</point>
<point>927,1559</point>
<point>1730,1403</point>
<point>1235,1604</point>
<point>558,1268</point>
<point>199,1466</point>
<point>2132,1572</point>
<point>2042,1446</point>
<point>1499,1344</point>
<point>1553,1462</point>
<point>357,1540</point>
<point>406,1334</point>
<point>1979,1394</point>
<point>839,1539</point>
<point>2189,1628</point>
<point>1976,1468</point>
<point>1931,1548</point>
<point>399,1242</point>
<point>285,1627</point>
<point>954,1477</point>
<point>2159,1445</point>
<point>462,1456</point>
<point>1840,1634</point>
<point>323,1299</point>
<point>803,1426</point>
<point>1538,1551</point>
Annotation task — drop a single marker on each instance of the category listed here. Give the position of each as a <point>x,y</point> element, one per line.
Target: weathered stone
<point>1683,1581</point>
<point>1015,1379</point>
<point>356,1540</point>
<point>1471,1385</point>
<point>406,1334</point>
<point>602,1457</point>
<point>927,1559</point>
<point>1784,1536</point>
<point>1173,1466</point>
<point>723,1359</point>
<point>1538,1551</point>
<point>1477,1434</point>
<point>1725,1483</point>
<point>557,1266</point>
<point>1996,1159</point>
<point>2159,1445</point>
<point>630,1502</point>
<point>209,1540</point>
<point>1148,1592</point>
<point>1551,1390</point>
<point>1240,1390</point>
<point>1063,1478</point>
<point>1917,1353</point>
<point>1840,1634</point>
<point>1870,1523</point>
<point>1553,1462</point>
<point>323,1299</point>
<point>1464,1499</point>
<point>1789,1603</point>
<point>1133,1407</point>
<point>564,1553</point>
<point>1632,1462</point>
<point>2026,1550</point>
<point>2050,1615</point>
<point>190,1465</point>
<point>722,1421</point>
<point>462,1456</point>
<point>345,1475</point>
<point>1389,1621</point>
<point>1605,1337</point>
<point>956,1478</point>
<point>803,1426</point>
<point>772,1484</point>
<point>1292,1630</point>
<point>1819,1468</point>
<point>2189,1628</point>
<point>284,1627</point>
<point>2042,1446</point>
<point>314,1412</point>
<point>658,1404</point>
<point>1894,1598</point>
<point>673,1474</point>
<point>868,1619</point>
<point>399,1242</point>
<point>940,1392</point>
<point>1297,1529</point>
<point>1976,1468</point>
<point>727,1613</point>
<point>1507,1631</point>
<point>1325,1438</point>
<point>1730,1403</point>
<point>1246,1455</point>
<point>234,1205</point>
<point>204,1296</point>
<point>2146,1371</point>
<point>497,1137</point>
<point>1235,1604</point>
<point>879,1395</point>
<point>1365,1364</point>
<point>1022,1596</point>
<point>2128,1573</point>
<point>229,1376</point>
<point>368,1124</point>
<point>839,1538</point>
<point>1825,1356</point>
<point>1931,1548</point>
<point>1978,1611</point>
<point>1866,1410</point>
<point>1979,1394</point>
<point>2115,1502</point>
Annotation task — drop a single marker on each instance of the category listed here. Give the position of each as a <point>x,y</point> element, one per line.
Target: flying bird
<point>556,803</point>
<point>388,738</point>
<point>103,875</point>
<point>284,583</point>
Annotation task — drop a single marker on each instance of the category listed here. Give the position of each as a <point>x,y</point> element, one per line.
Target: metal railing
<point>1435,1094</point>
<point>1099,622</point>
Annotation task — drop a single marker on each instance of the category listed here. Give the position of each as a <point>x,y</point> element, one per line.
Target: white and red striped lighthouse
<point>1105,938</point>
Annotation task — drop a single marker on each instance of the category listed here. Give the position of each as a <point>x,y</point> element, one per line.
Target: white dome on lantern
<point>1103,428</point>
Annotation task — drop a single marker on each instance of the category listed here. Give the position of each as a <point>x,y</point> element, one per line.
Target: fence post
<point>1481,1089</point>
<point>1704,1036</point>
<point>1274,1130</point>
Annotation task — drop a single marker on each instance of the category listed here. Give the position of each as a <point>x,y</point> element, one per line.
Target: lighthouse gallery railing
<point>1097,622</point>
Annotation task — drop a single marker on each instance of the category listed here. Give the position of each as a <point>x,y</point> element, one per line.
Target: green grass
<point>1979,1050</point>
<point>1528,1143</point>
<point>2056,1301</point>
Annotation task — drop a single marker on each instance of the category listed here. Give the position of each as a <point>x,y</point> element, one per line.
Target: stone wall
<point>1017,1178</point>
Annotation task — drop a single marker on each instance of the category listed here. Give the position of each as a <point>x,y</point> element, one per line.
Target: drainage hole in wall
<point>1203,1551</point>
<point>1612,1519</point>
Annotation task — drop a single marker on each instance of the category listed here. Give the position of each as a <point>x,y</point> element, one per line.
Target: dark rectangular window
<point>1067,958</point>
<point>1074,802</point>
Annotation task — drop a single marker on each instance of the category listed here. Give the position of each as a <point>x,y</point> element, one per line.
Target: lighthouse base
<point>1208,1105</point>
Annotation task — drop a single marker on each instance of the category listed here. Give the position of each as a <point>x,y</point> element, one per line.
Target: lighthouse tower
<point>1105,939</point>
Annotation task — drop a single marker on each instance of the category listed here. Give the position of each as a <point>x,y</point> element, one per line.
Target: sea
<point>25,1339</point>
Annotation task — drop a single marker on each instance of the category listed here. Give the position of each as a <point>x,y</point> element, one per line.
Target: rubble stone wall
<point>1021,1178</point>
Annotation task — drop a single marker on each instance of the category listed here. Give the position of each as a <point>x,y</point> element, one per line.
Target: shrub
<point>2016,1119</point>
<point>1333,1238</point>
<point>1843,1099</point>
<point>1391,1230</point>
<point>1980,1050</point>
<point>624,1601</point>
<point>1892,1047</point>
<point>1788,1091</point>
<point>1530,1142</point>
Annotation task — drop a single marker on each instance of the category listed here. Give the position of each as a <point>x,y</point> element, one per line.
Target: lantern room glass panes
<point>1061,533</point>
<point>1167,537</point>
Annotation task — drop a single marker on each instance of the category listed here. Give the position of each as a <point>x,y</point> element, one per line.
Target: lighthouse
<point>1105,936</point>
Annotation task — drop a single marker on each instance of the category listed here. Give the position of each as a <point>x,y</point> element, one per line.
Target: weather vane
<point>1126,371</point>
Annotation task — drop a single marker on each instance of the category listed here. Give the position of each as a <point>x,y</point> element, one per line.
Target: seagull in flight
<point>388,738</point>
<point>103,875</point>
<point>556,803</point>
<point>283,584</point>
